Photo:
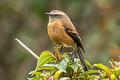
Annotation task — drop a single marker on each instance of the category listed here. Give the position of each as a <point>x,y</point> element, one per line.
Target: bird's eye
<point>56,15</point>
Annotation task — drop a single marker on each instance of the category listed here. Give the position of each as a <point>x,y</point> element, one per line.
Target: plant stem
<point>28,49</point>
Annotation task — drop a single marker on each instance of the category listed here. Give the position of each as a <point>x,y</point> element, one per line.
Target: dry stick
<point>28,49</point>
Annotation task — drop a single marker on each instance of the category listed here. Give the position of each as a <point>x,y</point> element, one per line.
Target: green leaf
<point>103,75</point>
<point>63,64</point>
<point>74,66</point>
<point>90,72</point>
<point>118,72</point>
<point>103,67</point>
<point>49,65</point>
<point>46,57</point>
<point>113,77</point>
<point>40,74</point>
<point>57,74</point>
<point>86,61</point>
<point>46,67</point>
<point>105,79</point>
<point>35,73</point>
<point>77,60</point>
<point>64,78</point>
<point>34,78</point>
<point>53,71</point>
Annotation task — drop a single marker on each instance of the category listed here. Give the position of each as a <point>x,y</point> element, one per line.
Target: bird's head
<point>56,15</point>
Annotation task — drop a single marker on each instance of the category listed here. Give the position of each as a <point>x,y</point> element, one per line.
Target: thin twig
<point>28,49</point>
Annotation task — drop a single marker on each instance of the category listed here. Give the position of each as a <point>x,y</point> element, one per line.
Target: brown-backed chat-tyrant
<point>62,32</point>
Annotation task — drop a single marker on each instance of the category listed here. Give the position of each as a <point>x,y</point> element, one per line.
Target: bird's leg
<point>61,48</point>
<point>72,54</point>
<point>57,51</point>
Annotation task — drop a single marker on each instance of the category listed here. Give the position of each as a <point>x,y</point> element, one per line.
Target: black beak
<point>47,13</point>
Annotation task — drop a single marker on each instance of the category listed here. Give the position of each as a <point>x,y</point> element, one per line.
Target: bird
<point>62,32</point>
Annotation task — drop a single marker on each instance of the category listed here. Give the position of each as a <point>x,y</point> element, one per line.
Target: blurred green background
<point>97,21</point>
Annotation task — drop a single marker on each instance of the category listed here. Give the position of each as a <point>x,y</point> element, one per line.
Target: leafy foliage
<point>49,67</point>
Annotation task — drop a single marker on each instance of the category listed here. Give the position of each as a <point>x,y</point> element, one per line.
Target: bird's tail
<point>81,58</point>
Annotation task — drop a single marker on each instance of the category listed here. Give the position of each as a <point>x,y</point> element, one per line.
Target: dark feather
<point>75,37</point>
<point>82,59</point>
<point>78,41</point>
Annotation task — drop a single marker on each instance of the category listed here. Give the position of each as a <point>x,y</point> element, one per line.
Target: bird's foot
<point>61,48</point>
<point>57,52</point>
<point>72,56</point>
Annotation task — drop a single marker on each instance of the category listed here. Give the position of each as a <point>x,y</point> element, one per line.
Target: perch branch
<point>28,49</point>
